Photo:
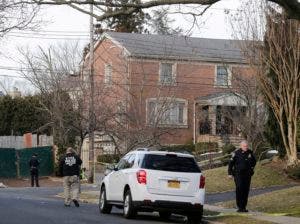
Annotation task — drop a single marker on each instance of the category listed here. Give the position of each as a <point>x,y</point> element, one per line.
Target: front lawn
<point>265,175</point>
<point>283,202</point>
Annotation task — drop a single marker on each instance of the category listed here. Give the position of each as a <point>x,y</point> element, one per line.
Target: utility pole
<point>91,100</point>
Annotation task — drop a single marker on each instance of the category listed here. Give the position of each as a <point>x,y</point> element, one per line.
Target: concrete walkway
<point>212,198</point>
<point>256,215</point>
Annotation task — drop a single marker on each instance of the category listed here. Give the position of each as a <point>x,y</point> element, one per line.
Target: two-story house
<point>175,83</point>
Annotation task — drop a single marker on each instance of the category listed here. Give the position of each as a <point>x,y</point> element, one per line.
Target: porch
<point>217,118</point>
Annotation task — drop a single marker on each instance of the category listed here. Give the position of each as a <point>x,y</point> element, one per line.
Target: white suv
<point>162,181</point>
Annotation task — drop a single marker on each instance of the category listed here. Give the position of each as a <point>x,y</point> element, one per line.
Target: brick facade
<point>134,80</point>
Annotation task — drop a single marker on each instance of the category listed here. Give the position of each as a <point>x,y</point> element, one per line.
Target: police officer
<point>241,168</point>
<point>69,168</point>
<point>34,170</point>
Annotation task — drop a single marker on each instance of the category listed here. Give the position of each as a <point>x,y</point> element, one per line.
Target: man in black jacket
<point>34,170</point>
<point>241,168</point>
<point>69,168</point>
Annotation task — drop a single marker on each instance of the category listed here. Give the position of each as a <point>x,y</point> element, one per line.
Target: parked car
<point>147,180</point>
<point>271,153</point>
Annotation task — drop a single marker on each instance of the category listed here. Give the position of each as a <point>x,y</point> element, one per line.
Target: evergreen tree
<point>133,23</point>
<point>160,23</point>
<point>6,115</point>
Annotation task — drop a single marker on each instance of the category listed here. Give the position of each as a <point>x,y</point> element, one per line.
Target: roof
<point>212,96</point>
<point>178,47</point>
<point>157,152</point>
<point>222,98</point>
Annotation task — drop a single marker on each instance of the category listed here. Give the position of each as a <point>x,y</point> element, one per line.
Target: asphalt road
<point>38,206</point>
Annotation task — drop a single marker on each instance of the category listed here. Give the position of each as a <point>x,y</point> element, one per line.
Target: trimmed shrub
<point>228,148</point>
<point>108,158</point>
<point>203,147</point>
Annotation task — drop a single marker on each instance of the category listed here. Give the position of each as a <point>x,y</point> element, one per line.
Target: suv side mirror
<point>110,168</point>
<point>115,168</point>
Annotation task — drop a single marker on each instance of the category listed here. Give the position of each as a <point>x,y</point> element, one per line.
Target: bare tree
<point>249,116</point>
<point>276,62</point>
<point>292,7</point>
<point>51,72</point>
<point>23,14</point>
<point>17,15</point>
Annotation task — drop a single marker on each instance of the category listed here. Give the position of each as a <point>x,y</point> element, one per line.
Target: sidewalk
<point>256,215</point>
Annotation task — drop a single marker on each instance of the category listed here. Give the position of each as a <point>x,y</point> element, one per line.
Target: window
<point>167,112</point>
<point>171,163</point>
<point>167,73</point>
<point>108,74</point>
<point>122,163</point>
<point>130,161</point>
<point>223,76</point>
<point>126,162</point>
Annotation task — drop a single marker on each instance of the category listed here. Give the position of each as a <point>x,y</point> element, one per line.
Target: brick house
<point>174,82</point>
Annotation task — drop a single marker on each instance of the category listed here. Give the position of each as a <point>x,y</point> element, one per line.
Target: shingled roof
<point>178,47</point>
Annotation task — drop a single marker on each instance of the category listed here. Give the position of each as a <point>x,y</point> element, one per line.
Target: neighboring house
<point>15,93</point>
<point>173,82</point>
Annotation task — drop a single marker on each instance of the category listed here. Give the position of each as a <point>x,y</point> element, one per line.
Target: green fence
<point>15,163</point>
<point>8,166</point>
<point>45,158</point>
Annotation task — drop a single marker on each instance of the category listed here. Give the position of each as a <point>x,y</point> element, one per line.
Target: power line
<point>48,38</point>
<point>120,72</point>
<point>46,34</point>
<point>176,84</point>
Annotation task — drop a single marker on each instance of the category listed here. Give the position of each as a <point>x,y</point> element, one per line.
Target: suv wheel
<point>104,207</point>
<point>129,210</point>
<point>194,218</point>
<point>165,215</point>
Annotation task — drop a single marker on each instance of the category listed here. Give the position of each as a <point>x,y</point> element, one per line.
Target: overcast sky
<point>65,24</point>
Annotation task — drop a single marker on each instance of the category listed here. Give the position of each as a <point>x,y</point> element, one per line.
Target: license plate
<point>173,184</point>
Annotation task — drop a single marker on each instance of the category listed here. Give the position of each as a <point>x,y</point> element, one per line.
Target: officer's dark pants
<point>242,183</point>
<point>34,177</point>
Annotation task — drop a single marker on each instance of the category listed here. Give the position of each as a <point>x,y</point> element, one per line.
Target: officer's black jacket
<point>34,163</point>
<point>242,162</point>
<point>69,165</point>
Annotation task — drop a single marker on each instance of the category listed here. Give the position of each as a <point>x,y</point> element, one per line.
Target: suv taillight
<point>141,176</point>
<point>202,182</point>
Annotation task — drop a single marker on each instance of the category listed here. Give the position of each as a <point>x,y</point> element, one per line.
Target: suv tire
<point>165,215</point>
<point>104,207</point>
<point>129,210</point>
<point>192,219</point>
<point>195,218</point>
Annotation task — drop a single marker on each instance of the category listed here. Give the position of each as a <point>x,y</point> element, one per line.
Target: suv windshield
<point>170,162</point>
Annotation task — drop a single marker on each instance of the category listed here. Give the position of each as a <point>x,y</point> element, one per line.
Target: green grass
<point>217,179</point>
<point>231,219</point>
<point>281,202</point>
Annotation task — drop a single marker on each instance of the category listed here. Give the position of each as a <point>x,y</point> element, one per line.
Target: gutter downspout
<point>194,128</point>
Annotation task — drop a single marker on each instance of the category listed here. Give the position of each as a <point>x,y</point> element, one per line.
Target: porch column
<point>212,117</point>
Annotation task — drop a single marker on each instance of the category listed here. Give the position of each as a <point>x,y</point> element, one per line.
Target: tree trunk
<point>292,141</point>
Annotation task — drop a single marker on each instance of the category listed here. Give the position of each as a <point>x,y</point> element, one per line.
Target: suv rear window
<point>170,162</point>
